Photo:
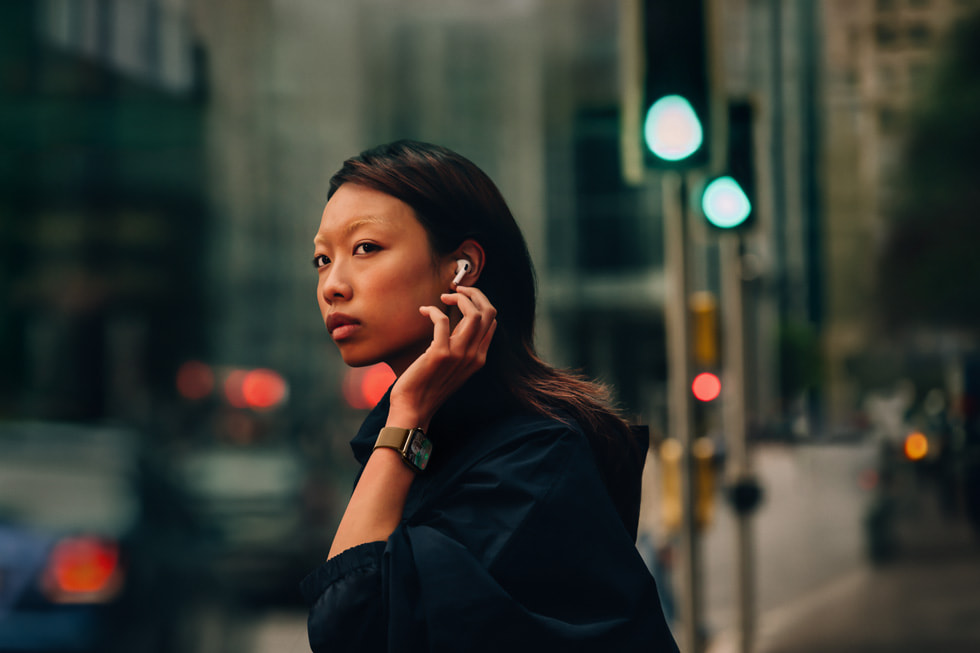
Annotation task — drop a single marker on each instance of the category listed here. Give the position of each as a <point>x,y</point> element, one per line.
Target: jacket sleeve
<point>344,597</point>
<point>522,549</point>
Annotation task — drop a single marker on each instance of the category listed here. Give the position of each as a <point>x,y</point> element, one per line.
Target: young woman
<point>498,500</point>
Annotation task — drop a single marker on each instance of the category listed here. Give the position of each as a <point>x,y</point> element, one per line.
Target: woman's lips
<point>344,331</point>
<point>341,326</point>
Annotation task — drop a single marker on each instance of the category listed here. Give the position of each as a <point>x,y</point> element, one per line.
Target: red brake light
<point>83,570</point>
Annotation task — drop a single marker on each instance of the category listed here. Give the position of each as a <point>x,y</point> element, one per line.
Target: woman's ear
<point>472,253</point>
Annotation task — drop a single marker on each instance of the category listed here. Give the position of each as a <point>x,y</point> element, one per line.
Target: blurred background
<point>174,420</point>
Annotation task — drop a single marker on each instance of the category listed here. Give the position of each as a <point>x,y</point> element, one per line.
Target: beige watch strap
<point>392,437</point>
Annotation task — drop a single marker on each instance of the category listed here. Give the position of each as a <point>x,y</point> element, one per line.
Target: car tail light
<point>83,569</point>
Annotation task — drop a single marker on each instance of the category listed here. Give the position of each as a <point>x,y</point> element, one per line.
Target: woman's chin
<point>360,361</point>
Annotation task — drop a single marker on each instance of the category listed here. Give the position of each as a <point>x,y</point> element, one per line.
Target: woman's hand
<point>378,501</point>
<point>454,355</point>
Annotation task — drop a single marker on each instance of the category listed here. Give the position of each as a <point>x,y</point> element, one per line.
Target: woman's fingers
<point>478,317</point>
<point>472,301</point>
<point>471,336</point>
<point>452,357</point>
<point>474,306</point>
<point>440,325</point>
<point>484,345</point>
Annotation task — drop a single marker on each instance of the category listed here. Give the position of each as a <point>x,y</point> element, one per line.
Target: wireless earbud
<point>462,267</point>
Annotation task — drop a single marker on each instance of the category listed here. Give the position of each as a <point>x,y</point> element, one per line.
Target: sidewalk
<point>927,599</point>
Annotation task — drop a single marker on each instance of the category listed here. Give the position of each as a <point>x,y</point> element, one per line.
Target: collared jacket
<point>509,541</point>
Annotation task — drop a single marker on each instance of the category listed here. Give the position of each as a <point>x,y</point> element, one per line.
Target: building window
<point>919,35</point>
<point>886,36</point>
<point>614,232</point>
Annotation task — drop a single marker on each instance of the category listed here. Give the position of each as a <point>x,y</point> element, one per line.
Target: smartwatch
<point>412,444</point>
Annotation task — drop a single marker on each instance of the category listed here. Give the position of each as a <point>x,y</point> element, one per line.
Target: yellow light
<point>916,446</point>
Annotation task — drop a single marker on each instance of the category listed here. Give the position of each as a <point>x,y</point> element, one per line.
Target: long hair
<point>454,200</point>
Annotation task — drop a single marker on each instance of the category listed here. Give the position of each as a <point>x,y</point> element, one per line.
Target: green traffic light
<point>672,130</point>
<point>725,204</point>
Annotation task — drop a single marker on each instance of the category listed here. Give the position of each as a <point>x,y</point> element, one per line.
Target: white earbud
<point>462,267</point>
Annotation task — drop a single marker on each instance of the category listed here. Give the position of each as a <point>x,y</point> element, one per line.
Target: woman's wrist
<point>407,418</point>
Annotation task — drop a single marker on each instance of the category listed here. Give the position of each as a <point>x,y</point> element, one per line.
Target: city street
<point>807,530</point>
<point>830,598</point>
<point>925,600</point>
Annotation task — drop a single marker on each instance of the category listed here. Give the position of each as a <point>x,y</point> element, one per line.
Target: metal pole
<point>734,420</point>
<point>680,410</point>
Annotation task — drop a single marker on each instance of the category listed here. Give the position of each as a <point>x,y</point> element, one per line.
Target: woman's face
<point>375,269</point>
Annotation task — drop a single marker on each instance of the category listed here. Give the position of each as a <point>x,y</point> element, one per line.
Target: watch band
<point>413,445</point>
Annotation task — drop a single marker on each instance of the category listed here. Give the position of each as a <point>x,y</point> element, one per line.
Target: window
<point>919,35</point>
<point>886,35</point>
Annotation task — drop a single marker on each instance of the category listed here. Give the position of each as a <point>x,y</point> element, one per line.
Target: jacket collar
<point>363,442</point>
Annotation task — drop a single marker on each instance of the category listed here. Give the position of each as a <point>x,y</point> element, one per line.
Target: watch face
<point>418,450</point>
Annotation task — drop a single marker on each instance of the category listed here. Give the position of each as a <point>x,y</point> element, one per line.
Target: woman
<point>519,530</point>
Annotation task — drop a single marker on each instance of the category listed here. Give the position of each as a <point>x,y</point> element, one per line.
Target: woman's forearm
<point>376,506</point>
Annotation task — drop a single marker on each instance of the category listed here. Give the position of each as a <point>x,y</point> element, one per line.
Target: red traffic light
<point>259,389</point>
<point>706,386</point>
<point>264,388</point>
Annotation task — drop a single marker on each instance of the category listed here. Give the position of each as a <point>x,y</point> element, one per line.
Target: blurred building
<point>167,164</point>
<point>878,60</point>
<point>103,208</point>
<point>216,128</point>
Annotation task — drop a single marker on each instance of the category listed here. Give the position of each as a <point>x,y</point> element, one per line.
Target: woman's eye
<point>320,260</point>
<point>365,248</point>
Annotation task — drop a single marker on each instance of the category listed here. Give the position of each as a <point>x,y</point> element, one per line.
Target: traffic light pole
<point>743,486</point>
<point>680,417</point>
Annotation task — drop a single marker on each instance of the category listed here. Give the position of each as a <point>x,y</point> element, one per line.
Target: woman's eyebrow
<point>354,225</point>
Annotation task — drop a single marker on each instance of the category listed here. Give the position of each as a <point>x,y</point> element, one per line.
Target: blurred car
<point>93,544</point>
<point>259,508</point>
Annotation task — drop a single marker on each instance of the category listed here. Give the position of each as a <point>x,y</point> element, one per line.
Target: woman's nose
<point>334,285</point>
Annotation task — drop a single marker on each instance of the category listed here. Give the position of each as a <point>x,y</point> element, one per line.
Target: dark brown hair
<point>454,200</point>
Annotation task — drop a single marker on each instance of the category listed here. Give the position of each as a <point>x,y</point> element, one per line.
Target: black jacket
<point>509,542</point>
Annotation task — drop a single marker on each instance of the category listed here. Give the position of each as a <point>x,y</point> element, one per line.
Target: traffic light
<point>706,386</point>
<point>676,95</point>
<point>260,389</point>
<point>726,200</point>
<point>704,329</point>
<point>724,203</point>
